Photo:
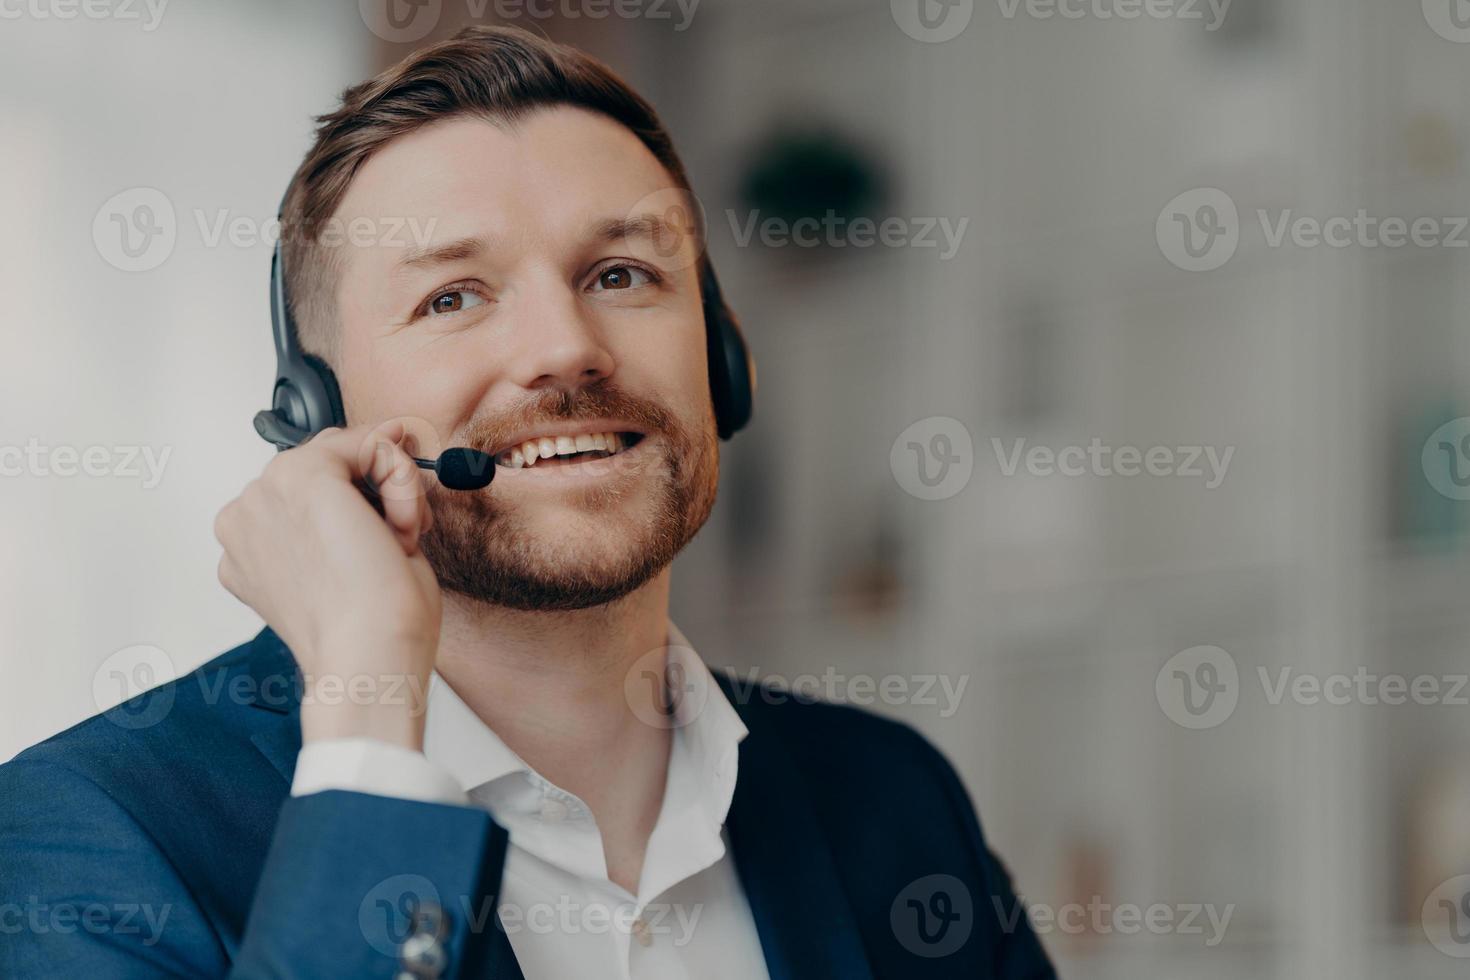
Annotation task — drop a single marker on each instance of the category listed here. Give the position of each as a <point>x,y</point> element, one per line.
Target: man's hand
<point>348,590</point>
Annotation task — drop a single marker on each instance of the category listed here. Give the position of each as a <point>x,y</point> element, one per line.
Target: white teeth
<point>544,447</point>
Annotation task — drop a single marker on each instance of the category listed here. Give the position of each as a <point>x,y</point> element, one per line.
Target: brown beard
<point>482,549</point>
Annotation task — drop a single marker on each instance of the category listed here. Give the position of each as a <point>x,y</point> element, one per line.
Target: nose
<point>562,345</point>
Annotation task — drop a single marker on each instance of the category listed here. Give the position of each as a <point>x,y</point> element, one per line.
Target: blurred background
<point>1128,463</point>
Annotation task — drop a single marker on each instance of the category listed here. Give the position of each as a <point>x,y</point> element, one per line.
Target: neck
<point>551,686</point>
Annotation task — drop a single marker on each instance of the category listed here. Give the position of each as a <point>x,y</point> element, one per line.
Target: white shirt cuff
<point>370,765</point>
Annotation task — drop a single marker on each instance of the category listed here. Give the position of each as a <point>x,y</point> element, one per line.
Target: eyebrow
<point>432,255</point>
<point>652,227</point>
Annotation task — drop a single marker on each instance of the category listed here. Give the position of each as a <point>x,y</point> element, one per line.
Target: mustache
<point>601,400</point>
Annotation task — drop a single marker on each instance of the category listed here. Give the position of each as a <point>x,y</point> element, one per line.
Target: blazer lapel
<point>806,925</point>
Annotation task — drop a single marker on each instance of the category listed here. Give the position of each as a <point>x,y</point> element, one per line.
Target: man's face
<point>537,298</point>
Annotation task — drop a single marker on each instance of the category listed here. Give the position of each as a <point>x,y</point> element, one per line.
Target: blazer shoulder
<point>158,735</point>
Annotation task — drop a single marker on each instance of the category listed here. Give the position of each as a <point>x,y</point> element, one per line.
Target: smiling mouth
<point>549,452</point>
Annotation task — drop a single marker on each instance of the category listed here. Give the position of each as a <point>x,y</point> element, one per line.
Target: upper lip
<point>551,430</point>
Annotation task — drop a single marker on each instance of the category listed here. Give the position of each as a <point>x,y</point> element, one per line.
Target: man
<point>469,742</point>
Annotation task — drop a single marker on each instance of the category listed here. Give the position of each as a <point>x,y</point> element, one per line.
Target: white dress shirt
<point>563,916</point>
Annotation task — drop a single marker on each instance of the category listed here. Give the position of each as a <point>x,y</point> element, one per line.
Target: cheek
<point>435,389</point>
<point>697,377</point>
<point>671,365</point>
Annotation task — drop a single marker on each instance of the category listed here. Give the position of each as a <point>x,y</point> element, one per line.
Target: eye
<point>452,300</point>
<point>618,277</point>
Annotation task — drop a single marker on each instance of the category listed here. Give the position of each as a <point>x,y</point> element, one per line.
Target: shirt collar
<point>707,730</point>
<point>456,739</point>
<point>703,762</point>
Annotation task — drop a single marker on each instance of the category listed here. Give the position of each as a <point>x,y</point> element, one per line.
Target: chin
<point>603,524</point>
<point>561,578</point>
<point>572,551</point>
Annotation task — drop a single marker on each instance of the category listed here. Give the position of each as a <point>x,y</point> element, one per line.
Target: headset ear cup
<point>330,396</point>
<point>731,368</point>
<point>734,409</point>
<point>306,394</point>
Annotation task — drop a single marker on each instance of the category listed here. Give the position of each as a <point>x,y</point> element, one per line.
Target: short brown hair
<point>497,73</point>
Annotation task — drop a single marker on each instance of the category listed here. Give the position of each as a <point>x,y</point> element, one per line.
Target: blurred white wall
<point>211,108</point>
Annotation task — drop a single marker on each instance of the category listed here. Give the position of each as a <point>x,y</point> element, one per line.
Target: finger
<point>392,471</point>
<point>374,455</point>
<point>229,576</point>
<point>224,523</point>
<point>349,452</point>
<point>406,479</point>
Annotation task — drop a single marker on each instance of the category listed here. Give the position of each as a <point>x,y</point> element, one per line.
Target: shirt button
<point>641,933</point>
<point>553,810</point>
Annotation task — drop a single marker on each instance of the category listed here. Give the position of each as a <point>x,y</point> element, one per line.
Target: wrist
<point>383,695</point>
<point>395,724</point>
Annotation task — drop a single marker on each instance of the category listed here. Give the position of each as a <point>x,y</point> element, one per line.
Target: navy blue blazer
<point>159,839</point>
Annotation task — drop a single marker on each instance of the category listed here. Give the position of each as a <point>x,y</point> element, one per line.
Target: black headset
<point>306,398</point>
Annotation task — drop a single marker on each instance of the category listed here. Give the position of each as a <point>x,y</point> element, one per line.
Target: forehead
<point>548,173</point>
